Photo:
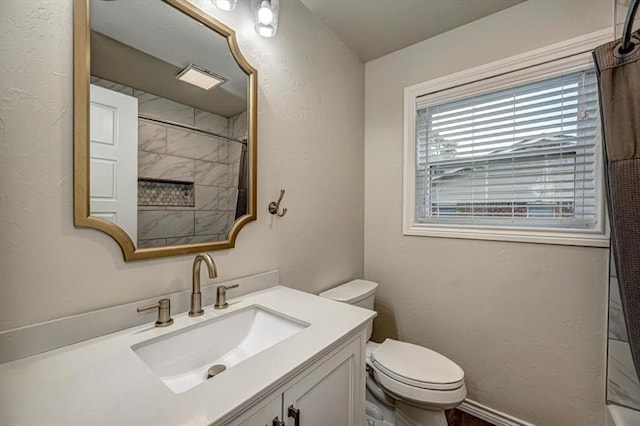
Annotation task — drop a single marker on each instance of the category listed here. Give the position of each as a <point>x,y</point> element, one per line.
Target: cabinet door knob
<point>295,414</point>
<point>277,422</point>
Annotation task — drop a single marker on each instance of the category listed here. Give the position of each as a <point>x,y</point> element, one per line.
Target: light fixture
<point>200,77</point>
<point>226,5</point>
<point>266,16</point>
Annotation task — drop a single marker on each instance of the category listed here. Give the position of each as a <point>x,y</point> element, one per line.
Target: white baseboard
<point>490,415</point>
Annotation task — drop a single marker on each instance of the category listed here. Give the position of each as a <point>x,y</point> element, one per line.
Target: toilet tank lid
<point>351,292</point>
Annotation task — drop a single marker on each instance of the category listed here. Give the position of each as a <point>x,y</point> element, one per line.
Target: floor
<point>459,418</point>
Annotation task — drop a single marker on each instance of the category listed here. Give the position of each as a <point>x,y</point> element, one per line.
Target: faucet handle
<point>164,312</point>
<point>229,287</point>
<point>221,296</point>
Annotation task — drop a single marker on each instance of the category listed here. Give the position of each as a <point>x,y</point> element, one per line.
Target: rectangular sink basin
<point>182,359</point>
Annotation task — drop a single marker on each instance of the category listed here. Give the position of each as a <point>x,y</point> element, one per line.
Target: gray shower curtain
<point>619,84</point>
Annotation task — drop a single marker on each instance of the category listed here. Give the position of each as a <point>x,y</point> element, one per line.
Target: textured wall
<point>311,97</point>
<point>525,321</point>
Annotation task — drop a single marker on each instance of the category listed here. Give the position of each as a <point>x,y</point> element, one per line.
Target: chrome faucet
<point>196,296</point>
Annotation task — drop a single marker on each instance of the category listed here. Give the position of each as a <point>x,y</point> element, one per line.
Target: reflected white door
<point>113,151</point>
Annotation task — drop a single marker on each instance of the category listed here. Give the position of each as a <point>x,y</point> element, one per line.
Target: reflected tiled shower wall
<point>207,164</point>
<point>623,386</point>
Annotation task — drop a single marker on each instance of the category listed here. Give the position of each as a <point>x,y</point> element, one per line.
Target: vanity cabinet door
<point>329,394</point>
<point>265,415</point>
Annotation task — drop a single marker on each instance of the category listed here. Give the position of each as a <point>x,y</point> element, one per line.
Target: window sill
<point>524,235</point>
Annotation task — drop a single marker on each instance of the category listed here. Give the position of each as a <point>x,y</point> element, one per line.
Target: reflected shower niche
<point>165,194</point>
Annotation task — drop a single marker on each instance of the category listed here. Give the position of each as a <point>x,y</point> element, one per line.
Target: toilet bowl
<point>422,382</point>
<point>407,384</point>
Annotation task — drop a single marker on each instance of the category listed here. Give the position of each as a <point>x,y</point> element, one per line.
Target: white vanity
<point>287,354</point>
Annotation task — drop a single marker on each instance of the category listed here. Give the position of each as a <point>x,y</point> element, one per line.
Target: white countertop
<point>103,382</point>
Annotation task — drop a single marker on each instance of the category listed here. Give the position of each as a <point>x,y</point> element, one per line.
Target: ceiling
<point>374,28</point>
<point>118,62</point>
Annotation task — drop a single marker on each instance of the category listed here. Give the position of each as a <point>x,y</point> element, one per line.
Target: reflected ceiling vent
<point>200,77</point>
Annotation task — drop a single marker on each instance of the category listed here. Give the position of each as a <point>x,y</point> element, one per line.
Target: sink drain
<point>215,370</point>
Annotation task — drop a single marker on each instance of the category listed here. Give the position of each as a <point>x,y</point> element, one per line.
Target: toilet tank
<point>358,293</point>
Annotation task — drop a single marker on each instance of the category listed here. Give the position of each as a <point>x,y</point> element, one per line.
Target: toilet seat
<point>418,384</point>
<point>416,366</point>
<point>443,399</point>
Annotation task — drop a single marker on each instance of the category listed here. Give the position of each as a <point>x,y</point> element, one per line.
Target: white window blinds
<point>524,156</point>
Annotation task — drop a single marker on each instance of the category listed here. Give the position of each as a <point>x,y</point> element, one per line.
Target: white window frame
<point>561,58</point>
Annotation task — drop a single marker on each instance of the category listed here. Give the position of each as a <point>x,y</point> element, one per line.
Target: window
<point>492,158</point>
<point>513,157</point>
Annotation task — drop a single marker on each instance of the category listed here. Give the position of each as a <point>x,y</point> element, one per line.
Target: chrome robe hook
<point>274,206</point>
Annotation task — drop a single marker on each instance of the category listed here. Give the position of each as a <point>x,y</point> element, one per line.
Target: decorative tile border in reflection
<point>169,194</point>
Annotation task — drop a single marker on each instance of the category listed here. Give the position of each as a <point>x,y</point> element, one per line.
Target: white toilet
<point>407,385</point>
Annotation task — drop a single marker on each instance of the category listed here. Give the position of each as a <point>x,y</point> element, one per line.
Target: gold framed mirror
<point>165,127</point>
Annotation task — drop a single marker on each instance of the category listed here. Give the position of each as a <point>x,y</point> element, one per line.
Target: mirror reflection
<point>168,125</point>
